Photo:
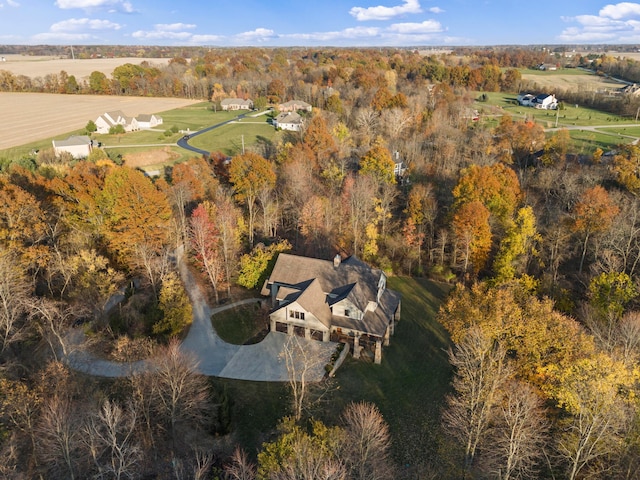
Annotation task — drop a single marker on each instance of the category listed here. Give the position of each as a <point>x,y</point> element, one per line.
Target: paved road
<point>260,362</point>
<point>184,141</point>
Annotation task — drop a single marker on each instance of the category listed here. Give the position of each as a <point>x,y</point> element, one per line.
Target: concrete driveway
<point>263,361</point>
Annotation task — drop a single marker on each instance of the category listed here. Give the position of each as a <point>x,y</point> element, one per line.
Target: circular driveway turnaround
<point>260,362</point>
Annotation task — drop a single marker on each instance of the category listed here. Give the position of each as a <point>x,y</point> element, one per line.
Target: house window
<point>346,312</point>
<point>301,315</point>
<point>291,313</point>
<point>298,315</point>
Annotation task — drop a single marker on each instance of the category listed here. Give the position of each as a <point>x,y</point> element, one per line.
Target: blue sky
<point>317,22</point>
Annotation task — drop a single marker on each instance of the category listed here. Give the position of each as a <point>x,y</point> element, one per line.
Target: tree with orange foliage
<point>249,174</point>
<point>135,213</point>
<point>593,214</point>
<point>318,137</point>
<point>494,186</point>
<point>472,234</point>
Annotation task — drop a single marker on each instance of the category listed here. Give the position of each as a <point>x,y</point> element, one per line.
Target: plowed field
<point>27,117</point>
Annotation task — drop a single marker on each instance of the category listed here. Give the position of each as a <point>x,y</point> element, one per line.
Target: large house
<point>79,146</point>
<point>343,301</point>
<point>236,104</point>
<point>288,121</point>
<point>294,106</point>
<point>544,101</point>
<point>111,119</point>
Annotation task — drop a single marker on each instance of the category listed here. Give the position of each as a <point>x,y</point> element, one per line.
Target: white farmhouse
<point>111,119</point>
<point>289,121</point>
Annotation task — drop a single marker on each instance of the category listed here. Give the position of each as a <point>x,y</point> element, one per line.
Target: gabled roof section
<point>293,270</point>
<point>73,141</point>
<point>314,300</point>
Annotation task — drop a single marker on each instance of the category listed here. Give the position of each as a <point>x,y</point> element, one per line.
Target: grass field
<point>408,387</point>
<point>229,138</point>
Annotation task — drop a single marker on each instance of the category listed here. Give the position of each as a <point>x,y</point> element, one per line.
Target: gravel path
<point>260,362</point>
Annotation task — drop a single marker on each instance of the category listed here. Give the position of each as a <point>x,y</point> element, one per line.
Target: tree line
<point>542,242</point>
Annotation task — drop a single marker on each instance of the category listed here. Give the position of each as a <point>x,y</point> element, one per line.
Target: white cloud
<point>174,27</point>
<point>169,31</point>
<point>428,26</point>
<point>385,13</point>
<point>436,10</point>
<point>161,35</point>
<point>620,10</point>
<point>76,24</point>
<point>614,24</point>
<point>122,5</point>
<point>346,34</point>
<point>204,39</point>
<point>11,3</point>
<point>259,35</point>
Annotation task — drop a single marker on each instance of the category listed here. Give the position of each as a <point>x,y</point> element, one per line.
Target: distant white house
<point>236,104</point>
<point>111,119</point>
<point>294,106</point>
<point>146,121</point>
<point>79,146</point>
<point>544,101</point>
<point>289,121</point>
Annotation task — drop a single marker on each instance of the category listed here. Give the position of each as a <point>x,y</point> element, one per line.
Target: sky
<point>317,22</point>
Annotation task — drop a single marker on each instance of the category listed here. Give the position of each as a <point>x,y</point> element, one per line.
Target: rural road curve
<point>259,362</point>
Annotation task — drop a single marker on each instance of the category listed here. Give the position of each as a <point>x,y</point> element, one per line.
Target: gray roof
<point>298,104</point>
<point>288,117</point>
<point>144,117</point>
<point>322,285</point>
<point>73,141</point>
<point>235,101</point>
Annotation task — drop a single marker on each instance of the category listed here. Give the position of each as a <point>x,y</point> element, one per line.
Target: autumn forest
<point>536,241</point>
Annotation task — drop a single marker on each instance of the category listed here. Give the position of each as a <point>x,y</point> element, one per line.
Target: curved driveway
<point>184,141</point>
<point>260,362</point>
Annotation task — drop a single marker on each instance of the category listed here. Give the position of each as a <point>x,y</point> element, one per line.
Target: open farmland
<point>39,66</point>
<point>570,79</point>
<point>28,117</point>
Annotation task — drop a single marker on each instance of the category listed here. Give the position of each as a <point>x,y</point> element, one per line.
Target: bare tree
<point>202,463</point>
<point>628,337</point>
<point>153,263</point>
<point>367,442</point>
<point>481,371</point>
<point>52,320</point>
<point>301,362</point>
<point>182,394</point>
<point>111,443</point>
<point>240,468</point>
<point>518,436</point>
<point>59,437</point>
<point>14,293</point>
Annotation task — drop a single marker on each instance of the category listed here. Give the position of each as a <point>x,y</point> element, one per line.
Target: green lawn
<point>585,141</point>
<point>228,138</point>
<point>570,115</point>
<point>408,386</point>
<point>239,324</point>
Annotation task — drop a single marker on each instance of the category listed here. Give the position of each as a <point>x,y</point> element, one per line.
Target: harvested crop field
<point>39,66</point>
<point>28,117</point>
<point>574,81</point>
